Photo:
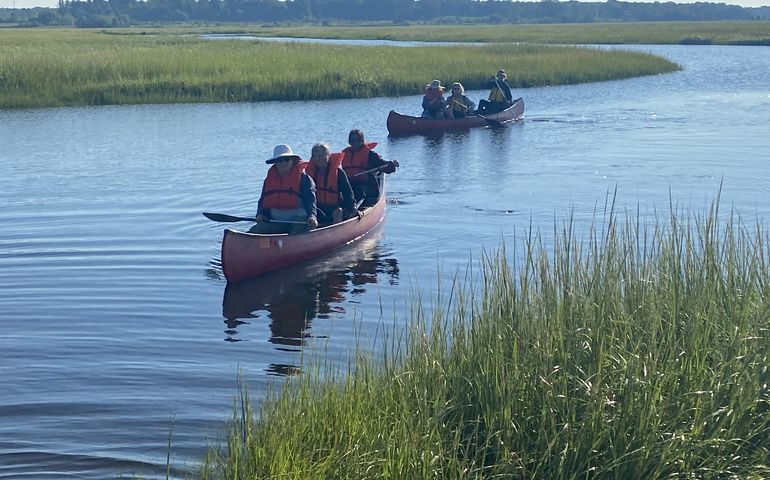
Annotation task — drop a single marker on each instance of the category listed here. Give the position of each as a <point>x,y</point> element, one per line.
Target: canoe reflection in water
<point>290,299</point>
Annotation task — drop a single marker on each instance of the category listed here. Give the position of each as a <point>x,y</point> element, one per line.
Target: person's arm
<point>385,166</point>
<point>307,193</point>
<point>469,103</point>
<point>348,199</point>
<point>262,213</point>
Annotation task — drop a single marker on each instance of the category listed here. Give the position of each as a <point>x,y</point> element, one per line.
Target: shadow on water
<point>292,298</point>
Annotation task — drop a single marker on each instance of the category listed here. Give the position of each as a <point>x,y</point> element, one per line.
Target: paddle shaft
<point>369,171</point>
<point>221,217</point>
<point>462,105</point>
<point>476,114</point>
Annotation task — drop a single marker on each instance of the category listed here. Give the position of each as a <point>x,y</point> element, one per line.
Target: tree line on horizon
<point>121,13</point>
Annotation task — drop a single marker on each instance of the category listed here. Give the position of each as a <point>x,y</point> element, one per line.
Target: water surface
<point>117,328</point>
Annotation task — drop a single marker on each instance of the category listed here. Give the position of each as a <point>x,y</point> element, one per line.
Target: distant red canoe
<point>399,124</point>
<point>247,255</point>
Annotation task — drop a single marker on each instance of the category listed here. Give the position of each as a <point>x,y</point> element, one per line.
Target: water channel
<point>117,328</point>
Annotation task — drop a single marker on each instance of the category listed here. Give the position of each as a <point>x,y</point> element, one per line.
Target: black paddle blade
<point>221,217</point>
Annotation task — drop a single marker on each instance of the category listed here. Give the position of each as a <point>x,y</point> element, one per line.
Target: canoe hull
<point>399,124</point>
<point>246,255</point>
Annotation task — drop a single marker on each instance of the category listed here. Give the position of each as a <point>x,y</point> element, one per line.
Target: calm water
<point>117,328</point>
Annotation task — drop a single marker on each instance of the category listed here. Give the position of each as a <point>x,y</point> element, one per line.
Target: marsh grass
<point>638,351</point>
<point>76,67</point>
<point>717,33</point>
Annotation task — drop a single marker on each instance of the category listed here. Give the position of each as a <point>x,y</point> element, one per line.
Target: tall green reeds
<point>77,67</point>
<point>754,32</point>
<point>634,351</point>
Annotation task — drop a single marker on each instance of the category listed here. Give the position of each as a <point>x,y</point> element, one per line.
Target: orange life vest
<point>357,162</point>
<point>327,191</point>
<point>283,192</point>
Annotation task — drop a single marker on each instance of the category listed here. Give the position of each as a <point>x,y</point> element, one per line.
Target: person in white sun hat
<point>288,201</point>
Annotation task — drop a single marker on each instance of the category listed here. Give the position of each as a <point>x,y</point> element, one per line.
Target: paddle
<point>492,123</point>
<point>369,171</point>
<point>221,217</point>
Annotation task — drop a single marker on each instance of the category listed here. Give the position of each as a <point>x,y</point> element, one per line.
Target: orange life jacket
<point>283,192</point>
<point>327,191</point>
<point>357,162</point>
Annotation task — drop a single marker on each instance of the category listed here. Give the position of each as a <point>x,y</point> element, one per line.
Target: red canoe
<point>399,124</point>
<point>247,255</point>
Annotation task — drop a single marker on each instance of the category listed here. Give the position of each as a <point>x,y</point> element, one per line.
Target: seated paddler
<point>458,104</point>
<point>288,201</point>
<point>334,196</point>
<point>433,103</point>
<point>364,167</point>
<point>500,96</point>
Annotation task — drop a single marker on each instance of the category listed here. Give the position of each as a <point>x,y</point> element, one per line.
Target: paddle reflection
<point>292,298</point>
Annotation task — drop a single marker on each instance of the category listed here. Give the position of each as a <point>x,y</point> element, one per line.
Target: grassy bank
<point>79,67</point>
<point>716,33</point>
<point>638,352</point>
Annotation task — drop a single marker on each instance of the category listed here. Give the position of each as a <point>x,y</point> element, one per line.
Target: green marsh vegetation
<point>64,67</point>
<point>637,351</point>
<point>717,33</point>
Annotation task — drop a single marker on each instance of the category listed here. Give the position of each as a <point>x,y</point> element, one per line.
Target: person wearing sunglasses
<point>288,200</point>
<point>458,104</point>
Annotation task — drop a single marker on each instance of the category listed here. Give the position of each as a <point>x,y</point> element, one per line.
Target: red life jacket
<point>282,192</point>
<point>327,191</point>
<point>357,162</point>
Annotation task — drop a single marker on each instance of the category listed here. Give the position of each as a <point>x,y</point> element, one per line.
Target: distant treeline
<point>118,13</point>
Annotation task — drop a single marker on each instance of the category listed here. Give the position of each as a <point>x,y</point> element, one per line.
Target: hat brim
<point>440,87</point>
<point>282,157</point>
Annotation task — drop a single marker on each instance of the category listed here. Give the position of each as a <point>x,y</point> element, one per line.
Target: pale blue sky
<point>53,3</point>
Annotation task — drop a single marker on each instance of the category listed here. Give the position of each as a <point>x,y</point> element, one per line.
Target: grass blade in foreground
<point>639,352</point>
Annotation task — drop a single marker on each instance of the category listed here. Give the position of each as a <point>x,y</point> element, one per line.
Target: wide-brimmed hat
<point>501,71</point>
<point>435,84</point>
<point>282,152</point>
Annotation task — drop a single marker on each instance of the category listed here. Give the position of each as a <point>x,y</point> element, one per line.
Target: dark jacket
<point>372,179</point>
<point>433,103</point>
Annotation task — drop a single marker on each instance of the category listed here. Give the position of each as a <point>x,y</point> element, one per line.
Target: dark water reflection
<point>292,299</point>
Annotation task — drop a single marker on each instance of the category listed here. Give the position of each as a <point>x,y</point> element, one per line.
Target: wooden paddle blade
<point>221,217</point>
